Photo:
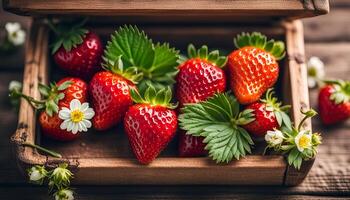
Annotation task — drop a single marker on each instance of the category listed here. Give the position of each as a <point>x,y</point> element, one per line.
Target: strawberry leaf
<point>134,47</point>
<point>157,62</point>
<point>218,120</point>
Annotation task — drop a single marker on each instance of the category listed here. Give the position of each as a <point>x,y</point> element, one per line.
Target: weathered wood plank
<point>157,192</point>
<point>328,28</point>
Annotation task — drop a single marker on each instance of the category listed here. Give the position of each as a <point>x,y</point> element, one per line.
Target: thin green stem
<point>52,153</point>
<point>302,122</point>
<point>52,27</point>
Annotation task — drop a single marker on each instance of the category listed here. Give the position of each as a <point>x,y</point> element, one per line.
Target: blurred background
<point>326,37</point>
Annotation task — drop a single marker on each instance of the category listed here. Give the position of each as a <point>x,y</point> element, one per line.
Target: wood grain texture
<point>175,8</point>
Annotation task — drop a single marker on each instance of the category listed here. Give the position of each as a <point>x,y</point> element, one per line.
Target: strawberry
<point>55,97</point>
<point>139,61</point>
<point>77,50</point>
<point>268,115</point>
<point>110,94</point>
<point>151,123</point>
<point>199,78</point>
<point>334,102</point>
<point>253,68</point>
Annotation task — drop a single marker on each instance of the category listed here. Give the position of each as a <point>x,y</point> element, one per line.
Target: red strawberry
<point>50,124</point>
<point>77,51</point>
<point>268,115</point>
<point>55,97</point>
<point>334,102</point>
<point>199,78</point>
<point>150,124</point>
<point>253,68</point>
<point>190,146</point>
<point>110,94</point>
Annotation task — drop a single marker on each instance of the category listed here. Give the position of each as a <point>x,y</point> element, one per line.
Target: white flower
<point>76,117</point>
<point>15,85</point>
<point>303,140</point>
<point>15,34</point>
<point>64,194</point>
<point>37,174</point>
<point>274,137</point>
<point>315,71</point>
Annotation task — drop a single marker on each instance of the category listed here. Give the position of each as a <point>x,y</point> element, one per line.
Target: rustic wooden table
<point>327,37</point>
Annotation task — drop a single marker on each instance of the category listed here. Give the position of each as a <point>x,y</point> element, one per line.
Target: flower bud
<point>316,139</point>
<point>37,174</point>
<point>64,194</point>
<point>61,175</point>
<point>274,138</point>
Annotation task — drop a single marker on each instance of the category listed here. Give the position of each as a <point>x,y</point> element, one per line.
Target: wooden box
<point>106,158</point>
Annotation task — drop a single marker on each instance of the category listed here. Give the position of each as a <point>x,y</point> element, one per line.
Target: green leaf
<point>157,62</point>
<point>217,121</point>
<point>44,90</point>
<point>64,85</point>
<point>133,45</point>
<point>286,120</point>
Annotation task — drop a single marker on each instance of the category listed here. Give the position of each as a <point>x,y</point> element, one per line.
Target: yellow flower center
<point>304,142</point>
<point>76,116</point>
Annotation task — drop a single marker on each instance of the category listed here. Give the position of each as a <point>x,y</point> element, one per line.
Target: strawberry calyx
<point>117,67</point>
<point>342,91</point>
<point>51,95</point>
<point>256,39</point>
<point>68,36</point>
<point>275,106</point>
<point>154,97</point>
<point>202,53</point>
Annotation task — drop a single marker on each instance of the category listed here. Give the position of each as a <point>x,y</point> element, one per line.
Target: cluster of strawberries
<point>131,81</point>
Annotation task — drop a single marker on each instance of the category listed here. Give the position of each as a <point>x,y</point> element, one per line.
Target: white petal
<point>18,38</point>
<point>64,124</point>
<point>64,113</point>
<point>82,127</point>
<point>12,27</point>
<point>84,107</point>
<point>75,128</point>
<point>311,82</point>
<point>70,126</point>
<point>75,104</point>
<point>87,123</point>
<point>89,113</point>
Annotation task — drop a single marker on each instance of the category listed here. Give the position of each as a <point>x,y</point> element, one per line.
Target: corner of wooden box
<point>294,176</point>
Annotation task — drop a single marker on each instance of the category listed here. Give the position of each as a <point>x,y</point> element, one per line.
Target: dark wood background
<point>327,37</point>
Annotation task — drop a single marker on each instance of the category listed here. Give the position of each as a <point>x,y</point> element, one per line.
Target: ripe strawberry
<point>55,97</point>
<point>334,102</point>
<point>110,93</point>
<point>77,51</point>
<point>268,115</point>
<point>253,68</point>
<point>199,78</point>
<point>151,123</point>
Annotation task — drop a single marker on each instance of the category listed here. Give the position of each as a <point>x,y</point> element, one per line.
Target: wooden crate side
<point>299,89</point>
<point>174,8</point>
<point>252,170</point>
<point>35,60</point>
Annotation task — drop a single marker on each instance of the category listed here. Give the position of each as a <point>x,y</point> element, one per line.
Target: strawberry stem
<point>50,152</point>
<point>308,114</point>
<point>33,102</point>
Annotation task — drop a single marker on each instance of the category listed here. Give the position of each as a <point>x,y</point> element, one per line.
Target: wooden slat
<point>163,8</point>
<point>151,193</point>
<point>333,27</point>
